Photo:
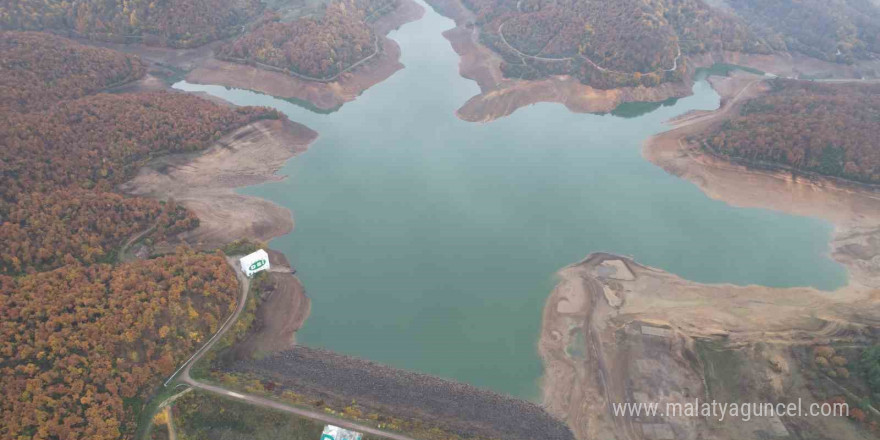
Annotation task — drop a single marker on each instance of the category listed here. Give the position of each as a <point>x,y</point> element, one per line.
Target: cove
<point>429,243</point>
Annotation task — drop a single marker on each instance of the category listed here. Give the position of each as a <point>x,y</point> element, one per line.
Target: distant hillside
<point>37,70</point>
<point>317,47</point>
<point>822,128</point>
<point>175,23</point>
<point>607,44</point>
<point>619,43</point>
<point>833,30</point>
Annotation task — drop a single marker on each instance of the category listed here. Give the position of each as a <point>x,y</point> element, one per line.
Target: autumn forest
<point>86,338</point>
<point>828,129</point>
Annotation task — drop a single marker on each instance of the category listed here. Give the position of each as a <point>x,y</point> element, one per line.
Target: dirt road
<point>184,374</point>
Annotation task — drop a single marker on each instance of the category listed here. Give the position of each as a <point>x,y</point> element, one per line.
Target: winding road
<point>183,373</point>
<point>523,55</point>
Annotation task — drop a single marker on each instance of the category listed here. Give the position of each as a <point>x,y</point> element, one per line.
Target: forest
<point>617,43</point>
<point>43,231</point>
<point>833,30</point>
<point>828,129</point>
<point>38,69</point>
<point>607,44</point>
<point>174,23</point>
<point>317,47</point>
<point>81,344</point>
<point>98,141</point>
<point>86,339</point>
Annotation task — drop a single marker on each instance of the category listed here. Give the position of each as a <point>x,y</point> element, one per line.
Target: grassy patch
<point>200,415</point>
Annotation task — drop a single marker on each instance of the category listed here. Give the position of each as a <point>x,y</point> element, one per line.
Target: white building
<point>255,262</point>
<point>336,433</point>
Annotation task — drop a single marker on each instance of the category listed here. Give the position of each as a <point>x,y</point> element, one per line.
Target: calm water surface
<point>430,244</point>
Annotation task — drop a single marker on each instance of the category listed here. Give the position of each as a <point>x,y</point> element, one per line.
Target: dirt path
<point>244,287</point>
<point>313,415</point>
<point>323,94</point>
<point>306,77</point>
<point>185,377</point>
<point>500,96</point>
<point>596,66</point>
<point>169,416</point>
<point>123,251</point>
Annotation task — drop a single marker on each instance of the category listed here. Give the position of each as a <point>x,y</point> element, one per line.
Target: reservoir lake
<point>430,244</point>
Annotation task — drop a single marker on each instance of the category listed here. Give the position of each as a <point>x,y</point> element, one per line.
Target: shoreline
<point>205,182</point>
<point>323,96</point>
<point>170,177</point>
<point>594,343</point>
<point>616,331</point>
<point>500,96</point>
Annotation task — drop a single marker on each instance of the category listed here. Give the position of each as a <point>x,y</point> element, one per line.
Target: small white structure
<point>336,433</point>
<point>255,262</point>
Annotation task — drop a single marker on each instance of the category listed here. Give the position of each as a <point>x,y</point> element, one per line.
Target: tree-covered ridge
<point>175,23</point>
<point>833,30</point>
<point>37,70</point>
<point>822,128</point>
<point>43,231</point>
<point>317,47</point>
<point>100,140</point>
<point>81,343</point>
<point>607,44</point>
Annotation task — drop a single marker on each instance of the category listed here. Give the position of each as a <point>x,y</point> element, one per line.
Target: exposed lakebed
<point>429,243</point>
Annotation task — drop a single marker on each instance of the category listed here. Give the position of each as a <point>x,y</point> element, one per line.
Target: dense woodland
<point>37,70</point>
<point>822,128</point>
<point>100,140</point>
<point>43,231</point>
<point>607,44</point>
<point>175,23</point>
<point>833,30</point>
<point>81,344</point>
<point>318,47</point>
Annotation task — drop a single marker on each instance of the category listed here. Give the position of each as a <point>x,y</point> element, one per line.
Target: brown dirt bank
<point>501,96</point>
<point>324,96</point>
<point>205,182</point>
<point>615,331</point>
<point>854,209</point>
<point>283,310</point>
<point>458,408</point>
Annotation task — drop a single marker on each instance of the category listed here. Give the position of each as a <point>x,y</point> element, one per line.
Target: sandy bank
<point>501,96</point>
<point>205,182</point>
<point>650,336</point>
<point>854,209</point>
<point>322,96</point>
<point>643,335</point>
<point>283,310</point>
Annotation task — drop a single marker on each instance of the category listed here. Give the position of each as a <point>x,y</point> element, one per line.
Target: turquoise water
<point>430,244</point>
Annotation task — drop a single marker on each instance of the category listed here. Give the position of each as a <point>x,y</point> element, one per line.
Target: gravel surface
<point>459,408</point>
